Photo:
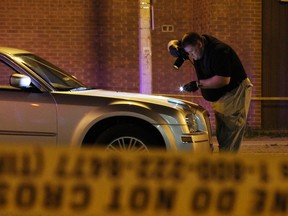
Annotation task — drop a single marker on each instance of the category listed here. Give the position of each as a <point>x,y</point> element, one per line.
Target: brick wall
<point>64,32</point>
<point>98,40</point>
<point>118,45</point>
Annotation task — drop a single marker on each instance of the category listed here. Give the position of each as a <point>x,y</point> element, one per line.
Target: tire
<point>127,137</point>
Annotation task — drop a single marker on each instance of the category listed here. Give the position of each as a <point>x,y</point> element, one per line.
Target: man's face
<point>195,51</point>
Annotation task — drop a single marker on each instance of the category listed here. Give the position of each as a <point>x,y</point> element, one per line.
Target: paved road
<point>264,145</point>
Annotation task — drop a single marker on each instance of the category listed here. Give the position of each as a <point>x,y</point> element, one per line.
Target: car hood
<point>154,99</point>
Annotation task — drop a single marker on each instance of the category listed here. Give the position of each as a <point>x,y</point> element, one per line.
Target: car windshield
<point>56,77</point>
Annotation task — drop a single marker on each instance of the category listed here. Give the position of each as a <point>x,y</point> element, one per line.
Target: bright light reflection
<point>35,105</point>
<point>19,59</point>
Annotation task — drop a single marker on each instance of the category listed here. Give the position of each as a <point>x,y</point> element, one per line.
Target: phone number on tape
<point>145,167</point>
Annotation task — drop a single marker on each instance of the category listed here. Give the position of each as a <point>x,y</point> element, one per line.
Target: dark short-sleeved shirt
<point>219,59</point>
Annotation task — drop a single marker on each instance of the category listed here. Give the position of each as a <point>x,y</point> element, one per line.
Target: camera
<point>182,55</point>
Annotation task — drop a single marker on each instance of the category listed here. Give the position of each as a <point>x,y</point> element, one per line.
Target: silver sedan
<point>42,104</point>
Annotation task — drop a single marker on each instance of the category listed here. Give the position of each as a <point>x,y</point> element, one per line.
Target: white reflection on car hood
<point>131,96</point>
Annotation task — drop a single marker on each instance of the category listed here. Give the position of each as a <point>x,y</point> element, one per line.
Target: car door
<point>27,116</point>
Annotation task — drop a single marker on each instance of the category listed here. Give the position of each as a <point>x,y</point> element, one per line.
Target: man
<point>222,81</point>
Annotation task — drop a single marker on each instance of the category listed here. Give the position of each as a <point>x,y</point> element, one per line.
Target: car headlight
<point>191,120</point>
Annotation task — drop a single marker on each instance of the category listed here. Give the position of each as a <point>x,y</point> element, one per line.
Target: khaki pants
<point>231,114</point>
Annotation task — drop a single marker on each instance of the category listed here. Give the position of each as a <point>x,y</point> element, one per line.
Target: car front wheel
<point>128,137</point>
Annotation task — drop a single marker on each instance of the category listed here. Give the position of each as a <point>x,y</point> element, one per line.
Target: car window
<point>5,73</point>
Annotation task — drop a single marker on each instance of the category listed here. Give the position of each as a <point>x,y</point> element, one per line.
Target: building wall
<point>118,45</point>
<point>63,31</point>
<point>98,40</point>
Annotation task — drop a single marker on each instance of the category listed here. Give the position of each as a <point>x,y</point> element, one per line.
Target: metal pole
<point>145,60</point>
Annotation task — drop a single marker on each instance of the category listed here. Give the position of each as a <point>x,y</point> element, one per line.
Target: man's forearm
<point>214,82</point>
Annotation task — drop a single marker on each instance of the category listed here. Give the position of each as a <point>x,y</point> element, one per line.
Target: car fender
<point>118,109</point>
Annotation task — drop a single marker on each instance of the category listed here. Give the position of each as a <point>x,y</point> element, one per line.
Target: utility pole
<point>145,51</point>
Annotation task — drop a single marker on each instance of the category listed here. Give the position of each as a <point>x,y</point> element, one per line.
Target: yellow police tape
<point>36,181</point>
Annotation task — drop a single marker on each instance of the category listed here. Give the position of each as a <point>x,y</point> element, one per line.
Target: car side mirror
<point>20,81</point>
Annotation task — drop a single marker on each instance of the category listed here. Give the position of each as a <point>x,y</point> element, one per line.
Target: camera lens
<point>177,64</point>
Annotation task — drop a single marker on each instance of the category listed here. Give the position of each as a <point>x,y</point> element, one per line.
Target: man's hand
<point>191,86</point>
<point>173,47</point>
